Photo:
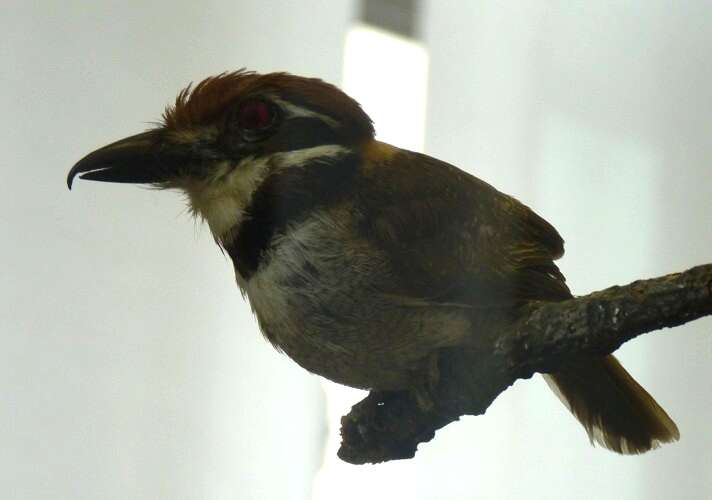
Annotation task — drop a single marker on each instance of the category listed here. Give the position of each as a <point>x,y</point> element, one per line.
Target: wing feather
<point>451,237</point>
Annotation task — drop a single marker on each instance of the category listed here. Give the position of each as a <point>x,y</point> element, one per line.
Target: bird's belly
<point>337,333</point>
<point>326,304</point>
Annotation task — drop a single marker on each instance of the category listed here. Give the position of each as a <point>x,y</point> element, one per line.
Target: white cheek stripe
<point>222,199</point>
<point>301,157</point>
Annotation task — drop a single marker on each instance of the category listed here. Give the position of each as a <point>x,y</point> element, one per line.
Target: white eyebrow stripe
<point>293,110</point>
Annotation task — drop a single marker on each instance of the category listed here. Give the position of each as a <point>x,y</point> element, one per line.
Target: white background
<point>130,367</point>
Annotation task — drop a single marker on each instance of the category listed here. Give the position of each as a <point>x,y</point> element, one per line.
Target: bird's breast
<point>323,298</point>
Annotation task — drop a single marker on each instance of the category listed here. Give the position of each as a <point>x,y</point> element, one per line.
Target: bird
<point>360,260</point>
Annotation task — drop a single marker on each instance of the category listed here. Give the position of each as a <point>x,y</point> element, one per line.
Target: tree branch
<point>388,426</point>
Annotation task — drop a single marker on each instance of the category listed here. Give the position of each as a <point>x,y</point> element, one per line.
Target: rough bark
<point>388,426</point>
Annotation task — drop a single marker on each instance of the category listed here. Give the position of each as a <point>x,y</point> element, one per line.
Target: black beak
<point>141,158</point>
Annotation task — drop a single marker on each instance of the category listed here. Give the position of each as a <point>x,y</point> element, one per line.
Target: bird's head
<point>223,137</point>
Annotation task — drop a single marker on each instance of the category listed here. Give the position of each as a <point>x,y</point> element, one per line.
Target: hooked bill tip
<point>70,177</point>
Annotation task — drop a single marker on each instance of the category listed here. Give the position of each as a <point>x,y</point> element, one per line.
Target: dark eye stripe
<point>301,133</point>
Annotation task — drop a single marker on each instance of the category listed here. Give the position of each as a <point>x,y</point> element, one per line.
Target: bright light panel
<point>387,74</point>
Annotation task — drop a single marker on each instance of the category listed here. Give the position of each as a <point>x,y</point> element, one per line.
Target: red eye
<point>255,115</point>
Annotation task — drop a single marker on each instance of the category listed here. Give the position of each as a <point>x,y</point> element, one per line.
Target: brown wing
<point>451,237</point>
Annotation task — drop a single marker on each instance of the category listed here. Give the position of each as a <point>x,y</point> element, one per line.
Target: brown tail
<point>616,411</point>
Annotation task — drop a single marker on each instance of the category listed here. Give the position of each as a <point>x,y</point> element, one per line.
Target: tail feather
<point>615,410</point>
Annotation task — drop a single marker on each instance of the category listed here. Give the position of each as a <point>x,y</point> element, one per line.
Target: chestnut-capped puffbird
<point>361,260</point>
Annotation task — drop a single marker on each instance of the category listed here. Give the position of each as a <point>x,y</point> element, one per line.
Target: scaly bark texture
<point>389,426</point>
